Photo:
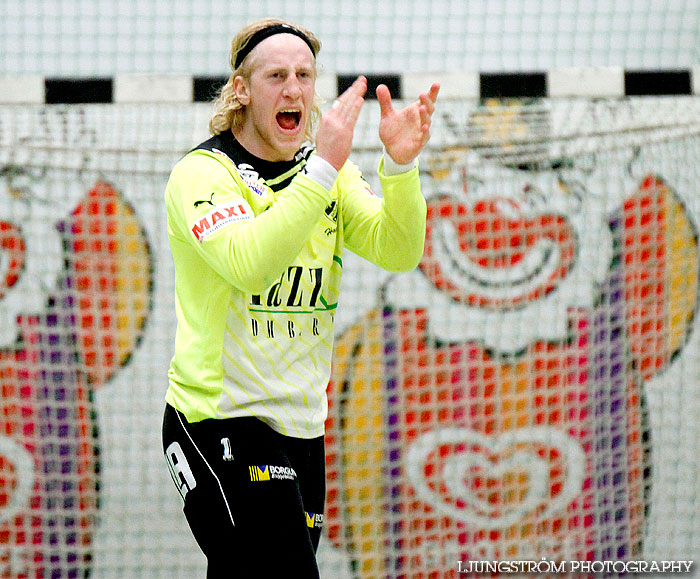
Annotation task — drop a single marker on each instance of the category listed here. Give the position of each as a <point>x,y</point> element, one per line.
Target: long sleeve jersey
<point>258,254</point>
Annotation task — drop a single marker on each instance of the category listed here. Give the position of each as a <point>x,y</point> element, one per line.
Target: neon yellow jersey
<point>258,254</point>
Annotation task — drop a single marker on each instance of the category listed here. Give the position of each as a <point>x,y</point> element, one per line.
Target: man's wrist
<point>321,171</point>
<point>391,167</point>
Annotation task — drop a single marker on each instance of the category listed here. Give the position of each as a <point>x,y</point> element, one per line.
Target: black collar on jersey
<point>264,33</point>
<point>267,170</point>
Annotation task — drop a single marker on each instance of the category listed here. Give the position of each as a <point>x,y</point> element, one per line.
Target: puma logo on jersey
<point>201,202</point>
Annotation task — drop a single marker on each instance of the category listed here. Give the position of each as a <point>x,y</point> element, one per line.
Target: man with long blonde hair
<point>258,218</point>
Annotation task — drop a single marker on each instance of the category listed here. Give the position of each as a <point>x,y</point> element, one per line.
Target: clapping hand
<point>334,135</point>
<point>405,132</point>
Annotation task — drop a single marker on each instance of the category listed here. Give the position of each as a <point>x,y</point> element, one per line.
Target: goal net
<point>528,392</point>
<point>516,396</point>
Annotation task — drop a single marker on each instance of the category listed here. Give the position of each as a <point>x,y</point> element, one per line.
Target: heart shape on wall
<point>494,457</point>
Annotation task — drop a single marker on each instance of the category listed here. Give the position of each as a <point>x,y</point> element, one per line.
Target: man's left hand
<point>405,132</point>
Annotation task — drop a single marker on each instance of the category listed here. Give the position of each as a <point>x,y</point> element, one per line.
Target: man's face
<point>278,97</point>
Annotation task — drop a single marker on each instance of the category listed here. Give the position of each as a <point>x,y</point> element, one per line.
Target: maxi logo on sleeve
<point>219,217</point>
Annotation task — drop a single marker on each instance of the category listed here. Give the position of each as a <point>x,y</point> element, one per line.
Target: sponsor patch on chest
<point>252,179</point>
<point>256,187</point>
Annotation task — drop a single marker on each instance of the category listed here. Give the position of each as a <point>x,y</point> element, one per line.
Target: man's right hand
<point>334,134</point>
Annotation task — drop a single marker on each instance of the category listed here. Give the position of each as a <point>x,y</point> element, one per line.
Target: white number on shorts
<point>180,469</point>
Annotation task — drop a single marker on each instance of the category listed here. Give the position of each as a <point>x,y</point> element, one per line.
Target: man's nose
<point>292,88</point>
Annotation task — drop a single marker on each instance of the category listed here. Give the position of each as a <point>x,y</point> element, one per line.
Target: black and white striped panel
<point>558,83</point>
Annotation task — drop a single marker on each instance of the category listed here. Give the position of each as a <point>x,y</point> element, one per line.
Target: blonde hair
<point>228,112</point>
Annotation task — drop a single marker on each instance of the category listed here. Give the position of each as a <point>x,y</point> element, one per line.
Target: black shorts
<point>253,498</point>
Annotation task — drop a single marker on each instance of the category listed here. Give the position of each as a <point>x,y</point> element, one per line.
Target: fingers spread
<point>357,88</point>
<point>352,110</point>
<point>427,106</point>
<point>425,115</point>
<point>384,98</point>
<point>427,103</point>
<point>348,104</point>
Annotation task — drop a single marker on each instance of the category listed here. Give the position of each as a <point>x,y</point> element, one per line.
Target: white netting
<point>529,391</point>
<point>66,38</point>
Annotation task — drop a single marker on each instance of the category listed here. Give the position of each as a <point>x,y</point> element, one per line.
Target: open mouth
<point>289,119</point>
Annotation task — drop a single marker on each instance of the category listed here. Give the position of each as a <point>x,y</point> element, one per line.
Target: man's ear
<point>241,90</point>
